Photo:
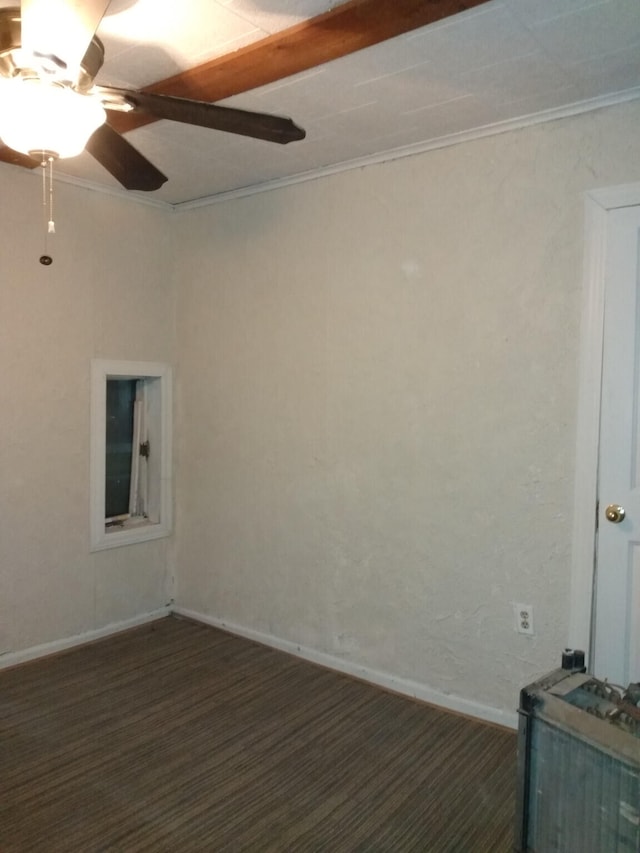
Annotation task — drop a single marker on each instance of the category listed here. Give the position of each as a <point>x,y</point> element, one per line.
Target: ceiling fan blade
<point>58,32</point>
<point>203,114</point>
<point>123,161</point>
<point>8,155</point>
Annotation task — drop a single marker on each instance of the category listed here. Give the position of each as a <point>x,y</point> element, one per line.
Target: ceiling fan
<point>50,106</point>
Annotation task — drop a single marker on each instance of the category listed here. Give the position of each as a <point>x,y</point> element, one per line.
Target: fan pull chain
<point>47,195</point>
<point>51,226</point>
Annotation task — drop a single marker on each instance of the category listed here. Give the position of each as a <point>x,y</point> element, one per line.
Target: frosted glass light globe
<point>39,116</point>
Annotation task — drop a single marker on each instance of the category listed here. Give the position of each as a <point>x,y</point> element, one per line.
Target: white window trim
<point>101,370</point>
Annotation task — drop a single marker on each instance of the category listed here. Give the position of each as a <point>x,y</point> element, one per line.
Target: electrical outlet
<point>524,618</point>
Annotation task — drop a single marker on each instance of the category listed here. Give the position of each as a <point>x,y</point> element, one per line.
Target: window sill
<point>130,533</point>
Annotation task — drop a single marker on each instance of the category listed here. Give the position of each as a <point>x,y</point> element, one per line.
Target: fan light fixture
<point>38,116</point>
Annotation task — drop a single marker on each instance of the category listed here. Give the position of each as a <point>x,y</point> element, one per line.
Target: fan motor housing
<point>11,43</point>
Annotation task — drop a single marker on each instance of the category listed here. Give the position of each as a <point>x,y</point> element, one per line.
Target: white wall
<point>377,405</point>
<point>376,399</point>
<point>107,295</point>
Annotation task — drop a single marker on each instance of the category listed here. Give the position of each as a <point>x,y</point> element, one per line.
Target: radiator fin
<point>582,800</point>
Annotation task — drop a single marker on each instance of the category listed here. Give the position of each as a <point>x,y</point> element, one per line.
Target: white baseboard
<point>14,658</point>
<point>404,686</point>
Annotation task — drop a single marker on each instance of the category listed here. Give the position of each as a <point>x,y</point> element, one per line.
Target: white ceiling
<point>502,61</point>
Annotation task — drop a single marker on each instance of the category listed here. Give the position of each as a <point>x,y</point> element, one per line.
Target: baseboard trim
<point>403,686</point>
<point>406,687</point>
<point>46,649</point>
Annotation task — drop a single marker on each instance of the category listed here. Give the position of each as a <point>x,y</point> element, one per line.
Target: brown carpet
<point>178,737</point>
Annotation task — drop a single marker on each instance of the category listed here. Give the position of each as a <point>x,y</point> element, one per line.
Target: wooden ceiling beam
<point>344,29</point>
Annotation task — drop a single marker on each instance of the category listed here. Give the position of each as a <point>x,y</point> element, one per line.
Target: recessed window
<point>130,452</point>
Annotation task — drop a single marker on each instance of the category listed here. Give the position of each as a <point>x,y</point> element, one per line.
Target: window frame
<point>159,397</point>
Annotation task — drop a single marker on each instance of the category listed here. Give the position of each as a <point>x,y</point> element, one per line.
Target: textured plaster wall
<point>377,404</point>
<point>107,295</point>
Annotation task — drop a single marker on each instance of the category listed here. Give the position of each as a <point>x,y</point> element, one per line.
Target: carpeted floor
<point>178,737</point>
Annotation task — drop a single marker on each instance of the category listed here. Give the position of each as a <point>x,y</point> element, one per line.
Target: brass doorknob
<point>614,513</point>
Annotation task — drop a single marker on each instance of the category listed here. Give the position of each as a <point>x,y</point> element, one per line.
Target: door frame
<point>598,203</point>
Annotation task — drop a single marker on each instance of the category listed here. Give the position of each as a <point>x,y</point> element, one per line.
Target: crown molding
<point>117,192</point>
<point>567,111</point>
<point>518,123</point>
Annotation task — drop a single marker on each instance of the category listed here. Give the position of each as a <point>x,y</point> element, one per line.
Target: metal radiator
<point>578,765</point>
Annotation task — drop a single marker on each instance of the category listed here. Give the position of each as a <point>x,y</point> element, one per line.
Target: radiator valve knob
<point>573,660</point>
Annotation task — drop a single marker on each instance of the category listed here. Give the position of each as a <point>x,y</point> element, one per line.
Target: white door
<point>617,581</point>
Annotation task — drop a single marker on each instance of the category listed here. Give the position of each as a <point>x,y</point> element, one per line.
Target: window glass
<point>121,396</point>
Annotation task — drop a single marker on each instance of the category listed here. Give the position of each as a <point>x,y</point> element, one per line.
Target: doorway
<point>605,604</point>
